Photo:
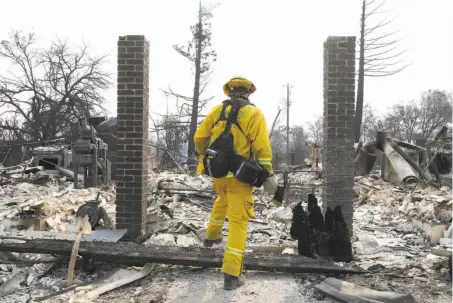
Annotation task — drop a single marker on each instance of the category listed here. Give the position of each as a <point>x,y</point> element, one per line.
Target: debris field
<point>402,239</point>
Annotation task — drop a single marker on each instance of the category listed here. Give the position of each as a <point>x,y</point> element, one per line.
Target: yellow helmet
<point>238,85</point>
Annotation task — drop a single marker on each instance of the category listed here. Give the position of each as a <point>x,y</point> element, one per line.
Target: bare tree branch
<point>386,73</point>
<point>381,37</point>
<point>379,25</point>
<point>367,2</point>
<point>382,53</point>
<point>380,45</point>
<point>384,58</point>
<point>375,9</point>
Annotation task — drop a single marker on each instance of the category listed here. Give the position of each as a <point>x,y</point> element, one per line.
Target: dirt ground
<point>202,285</point>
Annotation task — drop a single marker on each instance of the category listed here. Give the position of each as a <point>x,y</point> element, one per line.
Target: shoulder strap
<point>236,105</point>
<point>233,117</point>
<point>222,116</point>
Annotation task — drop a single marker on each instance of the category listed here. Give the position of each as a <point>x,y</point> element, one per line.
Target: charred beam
<point>135,254</point>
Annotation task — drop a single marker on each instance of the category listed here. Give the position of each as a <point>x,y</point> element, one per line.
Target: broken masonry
<point>326,236</point>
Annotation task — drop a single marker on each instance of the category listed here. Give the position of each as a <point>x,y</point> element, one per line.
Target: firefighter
<point>250,140</point>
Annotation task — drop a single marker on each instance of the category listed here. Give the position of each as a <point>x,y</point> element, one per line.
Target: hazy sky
<point>269,42</point>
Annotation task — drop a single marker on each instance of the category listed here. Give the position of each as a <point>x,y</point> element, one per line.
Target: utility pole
<point>288,103</point>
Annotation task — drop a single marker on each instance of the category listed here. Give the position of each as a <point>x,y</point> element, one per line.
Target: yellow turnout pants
<point>235,199</point>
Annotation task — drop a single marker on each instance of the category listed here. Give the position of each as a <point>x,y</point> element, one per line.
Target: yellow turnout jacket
<point>256,138</point>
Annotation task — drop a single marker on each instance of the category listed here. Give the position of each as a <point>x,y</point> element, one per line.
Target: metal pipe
<point>67,173</point>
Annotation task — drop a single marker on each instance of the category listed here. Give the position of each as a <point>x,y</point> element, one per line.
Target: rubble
<point>178,210</point>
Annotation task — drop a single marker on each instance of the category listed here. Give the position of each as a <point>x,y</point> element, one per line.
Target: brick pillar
<point>132,142</point>
<point>338,136</point>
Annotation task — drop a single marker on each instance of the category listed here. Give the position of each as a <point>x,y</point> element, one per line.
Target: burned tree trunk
<point>360,80</point>
<point>196,88</point>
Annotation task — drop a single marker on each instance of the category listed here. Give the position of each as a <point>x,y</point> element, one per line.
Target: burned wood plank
<point>138,255</point>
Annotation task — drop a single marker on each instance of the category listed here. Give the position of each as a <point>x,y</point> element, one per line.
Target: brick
<point>125,117</point>
<point>135,38</point>
<point>133,185</point>
<point>134,147</point>
<point>123,190</point>
<point>131,101</point>
<point>135,171</point>
<point>135,86</point>
<point>134,197</point>
<point>125,153</point>
<point>133,111</point>
<point>129,141</point>
<point>126,55</point>
<point>136,73</point>
<point>346,94</point>
<point>126,80</point>
<point>125,166</point>
<point>125,129</point>
<point>337,63</point>
<point>138,49</point>
<point>135,61</point>
<point>346,57</point>
<point>346,81</point>
<point>129,179</point>
<point>135,135</point>
<point>126,43</point>
<point>126,67</point>
<point>332,106</point>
